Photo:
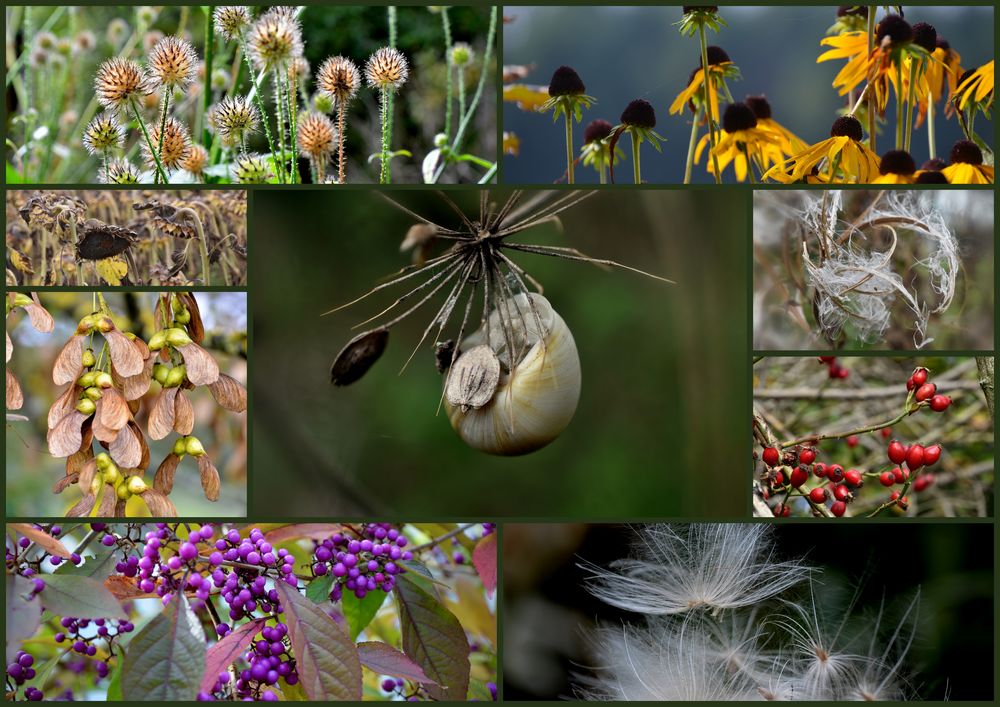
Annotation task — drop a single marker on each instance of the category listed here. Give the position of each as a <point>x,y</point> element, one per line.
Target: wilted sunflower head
<point>118,82</point>
<point>275,39</point>
<point>251,169</point>
<point>316,135</point>
<point>172,63</point>
<point>386,69</point>
<point>232,20</point>
<point>338,79</point>
<point>233,118</point>
<point>120,171</point>
<point>196,161</point>
<point>103,133</point>
<point>176,143</point>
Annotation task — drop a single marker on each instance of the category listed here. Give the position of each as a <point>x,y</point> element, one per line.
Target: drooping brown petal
<point>83,507</point>
<point>184,415</point>
<point>67,436</point>
<point>209,478</point>
<point>10,346</point>
<point>126,449</point>
<point>65,482</point>
<point>112,410</point>
<point>124,355</point>
<point>134,387</point>
<point>87,474</point>
<point>159,505</point>
<point>229,393</point>
<point>101,432</point>
<point>161,417</point>
<point>195,328</point>
<point>358,356</point>
<point>69,362</point>
<point>141,347</point>
<point>15,398</point>
<point>163,481</point>
<point>109,499</point>
<point>63,405</point>
<point>39,316</point>
<point>201,367</point>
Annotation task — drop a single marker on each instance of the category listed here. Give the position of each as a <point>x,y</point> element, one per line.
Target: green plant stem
<point>163,122</point>
<point>206,134</point>
<point>390,103</point>
<point>202,244</point>
<point>260,106</point>
<point>489,174</point>
<point>602,173</point>
<point>341,126</point>
<point>461,89</point>
<point>707,86</point>
<point>279,109</point>
<point>29,112</point>
<point>750,174</point>
<point>76,243</point>
<point>292,105</point>
<point>859,431</point>
<point>149,143</point>
<point>636,171</point>
<point>107,177</point>
<point>446,28</point>
<point>899,106</point>
<point>911,96</point>
<point>384,154</point>
<point>931,147</point>
<point>569,149</point>
<point>692,143</point>
<point>871,98</point>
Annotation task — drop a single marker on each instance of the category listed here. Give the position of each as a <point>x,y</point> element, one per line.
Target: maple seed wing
<point>358,356</point>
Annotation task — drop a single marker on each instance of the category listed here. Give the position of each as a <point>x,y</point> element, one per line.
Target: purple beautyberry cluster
<point>489,529</point>
<point>83,635</point>
<point>362,564</point>
<point>269,661</point>
<point>166,560</point>
<point>20,670</point>
<point>244,583</point>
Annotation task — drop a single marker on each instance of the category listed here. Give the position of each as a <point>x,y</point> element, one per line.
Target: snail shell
<point>532,400</point>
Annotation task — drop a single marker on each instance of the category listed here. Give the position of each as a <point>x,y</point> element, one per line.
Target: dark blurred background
<point>660,418</point>
<point>622,53</point>
<point>548,612</point>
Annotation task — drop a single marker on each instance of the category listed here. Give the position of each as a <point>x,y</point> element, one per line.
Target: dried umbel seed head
<point>925,36</point>
<point>566,82</point>
<point>461,54</point>
<point>897,162</point>
<point>275,39</point>
<point>386,69</point>
<point>316,135</point>
<point>176,144</point>
<point>103,133</point>
<point>119,82</point>
<point>251,169</point>
<point>232,20</point>
<point>966,151</point>
<point>716,55</point>
<point>597,130</point>
<point>847,126</point>
<point>233,118</point>
<point>172,63</point>
<point>338,79</point>
<point>759,105</point>
<point>474,378</point>
<point>738,116</point>
<point>196,160</point>
<point>895,29</point>
<point>120,171</point>
<point>639,113</point>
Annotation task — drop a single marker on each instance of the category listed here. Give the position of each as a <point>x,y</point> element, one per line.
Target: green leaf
<point>434,639</point>
<point>326,659</point>
<point>80,596</point>
<point>23,615</point>
<point>13,176</point>
<point>115,685</point>
<point>220,656</point>
<point>318,590</point>
<point>479,692</point>
<point>360,612</point>
<point>166,659</point>
<point>98,566</point>
<point>293,693</point>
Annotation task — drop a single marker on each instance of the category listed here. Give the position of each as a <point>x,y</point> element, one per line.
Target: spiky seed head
<point>146,14</point>
<point>847,125</point>
<point>322,102</point>
<point>39,58</point>
<point>338,79</point>
<point>275,39</point>
<point>45,41</point>
<point>103,133</point>
<point>386,69</point>
<point>461,54</point>
<point>250,169</point>
<point>639,113</point>
<point>196,161</point>
<point>64,47</point>
<point>233,118</point>
<point>220,79</point>
<point>232,20</point>
<point>117,29</point>
<point>120,171</point>
<point>176,144</point>
<point>172,63</point>
<point>85,41</point>
<point>119,81</point>
<point>316,135</point>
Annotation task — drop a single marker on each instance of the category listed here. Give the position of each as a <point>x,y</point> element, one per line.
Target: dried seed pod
<point>473,379</point>
<point>161,416</point>
<point>102,240</point>
<point>358,356</point>
<point>183,414</point>
<point>229,393</point>
<point>201,368</point>
<point>68,365</point>
<point>210,481</point>
<point>163,480</point>
<point>15,398</point>
<point>66,437</point>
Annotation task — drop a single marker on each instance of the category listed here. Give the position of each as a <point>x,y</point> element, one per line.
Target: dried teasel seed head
<point>233,118</point>
<point>275,39</point>
<point>45,41</point>
<point>196,160</point>
<point>338,79</point>
<point>232,20</point>
<point>461,54</point>
<point>316,135</point>
<point>103,133</point>
<point>172,63</point>
<point>176,144</point>
<point>251,169</point>
<point>119,82</point>
<point>120,171</point>
<point>386,69</point>
<point>117,29</point>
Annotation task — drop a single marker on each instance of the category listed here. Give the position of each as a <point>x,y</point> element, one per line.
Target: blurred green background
<point>548,610</point>
<point>627,52</point>
<point>31,471</point>
<point>661,414</point>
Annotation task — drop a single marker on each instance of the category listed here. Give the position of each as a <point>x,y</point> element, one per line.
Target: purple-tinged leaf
<point>220,656</point>
<point>386,660</point>
<point>165,661</point>
<point>23,614</point>
<point>80,596</point>
<point>42,539</point>
<point>484,558</point>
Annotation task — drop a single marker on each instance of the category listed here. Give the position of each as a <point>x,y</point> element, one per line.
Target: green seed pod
<point>158,340</point>
<point>87,324</point>
<point>86,406</point>
<point>103,380</point>
<point>175,376</point>
<point>112,476</point>
<point>103,461</point>
<point>136,485</point>
<point>87,379</point>
<point>180,447</point>
<point>193,447</point>
<point>122,491</point>
<point>95,485</point>
<point>104,324</point>
<point>175,304</point>
<point>160,373</point>
<point>177,337</point>
<point>88,359</point>
<point>93,393</point>
<point>22,300</point>
<point>182,317</point>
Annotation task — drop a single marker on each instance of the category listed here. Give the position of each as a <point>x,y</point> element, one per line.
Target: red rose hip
<point>925,392</point>
<point>838,508</point>
<point>771,456</point>
<point>915,457</point>
<point>940,403</point>
<point>798,477</point>
<point>817,495</point>
<point>920,376</point>
<point>932,454</point>
<point>897,452</point>
<point>807,456</point>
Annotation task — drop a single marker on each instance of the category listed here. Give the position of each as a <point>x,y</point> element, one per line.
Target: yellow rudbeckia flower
<point>967,165</point>
<point>842,153</point>
<point>720,67</point>
<point>896,167</point>
<point>742,139</point>
<point>976,86</point>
